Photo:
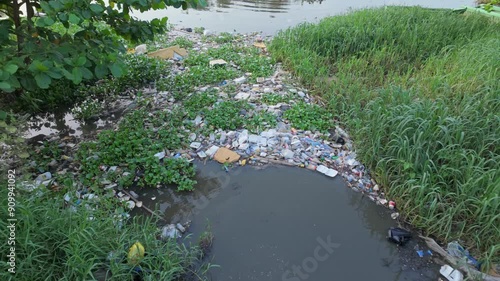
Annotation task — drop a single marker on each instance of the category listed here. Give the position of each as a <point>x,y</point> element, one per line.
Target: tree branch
<point>17,23</point>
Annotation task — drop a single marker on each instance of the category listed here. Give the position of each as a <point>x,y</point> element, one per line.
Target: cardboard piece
<point>224,155</point>
<point>169,53</point>
<point>259,45</point>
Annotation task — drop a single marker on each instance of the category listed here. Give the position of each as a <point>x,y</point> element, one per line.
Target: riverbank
<point>225,99</point>
<point>421,102</point>
<point>228,100</point>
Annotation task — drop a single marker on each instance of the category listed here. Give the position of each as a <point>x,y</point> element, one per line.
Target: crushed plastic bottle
<point>456,250</point>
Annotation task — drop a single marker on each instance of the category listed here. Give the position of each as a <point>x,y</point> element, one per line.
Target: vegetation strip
<point>422,104</point>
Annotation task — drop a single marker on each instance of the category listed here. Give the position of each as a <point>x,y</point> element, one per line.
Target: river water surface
<point>283,223</point>
<point>269,16</point>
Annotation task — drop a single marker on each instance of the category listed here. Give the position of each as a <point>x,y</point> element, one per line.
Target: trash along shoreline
<point>255,115</point>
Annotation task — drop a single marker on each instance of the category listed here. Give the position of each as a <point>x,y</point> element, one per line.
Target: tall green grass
<point>57,243</point>
<point>419,90</point>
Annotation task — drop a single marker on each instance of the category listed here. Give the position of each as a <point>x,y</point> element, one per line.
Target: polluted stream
<point>283,223</point>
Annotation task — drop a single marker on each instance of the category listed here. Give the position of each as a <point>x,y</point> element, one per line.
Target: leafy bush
<point>75,40</point>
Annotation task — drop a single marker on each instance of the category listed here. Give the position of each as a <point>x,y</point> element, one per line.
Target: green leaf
<point>43,80</point>
<point>45,7</point>
<point>67,74</point>
<point>2,123</point>
<point>14,82</point>
<point>56,5</point>
<point>48,21</point>
<point>77,75</point>
<point>40,22</point>
<point>155,22</point>
<point>63,17</point>
<point>3,115</point>
<point>116,70</point>
<point>53,73</point>
<point>81,61</point>
<point>96,8</point>
<point>11,68</point>
<point>101,71</point>
<point>406,166</point>
<point>38,66</point>
<point>28,83</point>
<point>87,74</point>
<point>4,86</point>
<point>86,14</point>
<point>74,19</point>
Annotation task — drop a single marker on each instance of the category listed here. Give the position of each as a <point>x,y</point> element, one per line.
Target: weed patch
<point>418,89</point>
<point>304,116</point>
<point>227,115</point>
<point>54,242</point>
<point>197,102</point>
<point>260,122</point>
<point>133,146</point>
<point>273,99</point>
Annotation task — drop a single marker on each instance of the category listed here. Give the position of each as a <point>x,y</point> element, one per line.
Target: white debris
<point>240,80</point>
<point>242,96</point>
<point>170,231</point>
<point>212,150</point>
<point>195,145</point>
<point>160,155</point>
<point>327,171</point>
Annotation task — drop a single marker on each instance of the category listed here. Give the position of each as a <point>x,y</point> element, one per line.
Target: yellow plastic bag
<point>135,253</point>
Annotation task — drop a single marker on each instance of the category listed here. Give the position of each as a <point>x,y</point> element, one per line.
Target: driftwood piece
<point>469,270</point>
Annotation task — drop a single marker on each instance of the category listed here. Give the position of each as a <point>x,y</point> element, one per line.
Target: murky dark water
<point>273,222</point>
<point>269,16</point>
<point>65,123</point>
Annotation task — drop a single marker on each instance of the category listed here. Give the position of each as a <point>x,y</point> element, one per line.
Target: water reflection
<point>266,6</point>
<point>269,16</point>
